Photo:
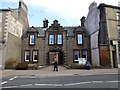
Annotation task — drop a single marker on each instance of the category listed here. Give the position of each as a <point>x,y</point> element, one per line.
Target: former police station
<point>97,38</point>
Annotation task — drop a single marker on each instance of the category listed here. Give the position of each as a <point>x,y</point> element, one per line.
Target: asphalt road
<point>62,81</point>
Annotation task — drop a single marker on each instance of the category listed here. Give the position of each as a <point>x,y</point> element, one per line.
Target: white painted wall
<point>14,27</point>
<point>119,3</point>
<point>92,25</point>
<point>94,49</point>
<point>94,40</point>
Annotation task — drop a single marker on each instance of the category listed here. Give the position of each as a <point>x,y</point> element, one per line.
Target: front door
<point>58,55</point>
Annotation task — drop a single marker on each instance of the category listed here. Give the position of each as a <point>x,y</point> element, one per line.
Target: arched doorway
<point>58,54</point>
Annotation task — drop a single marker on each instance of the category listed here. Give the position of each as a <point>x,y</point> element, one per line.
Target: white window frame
<point>27,53</point>
<point>76,52</point>
<point>51,36</point>
<point>35,52</point>
<point>32,36</point>
<point>79,39</point>
<point>118,15</point>
<point>118,28</point>
<point>59,37</point>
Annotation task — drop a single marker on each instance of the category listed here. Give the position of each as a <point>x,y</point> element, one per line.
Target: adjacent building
<point>102,24</point>
<point>12,24</point>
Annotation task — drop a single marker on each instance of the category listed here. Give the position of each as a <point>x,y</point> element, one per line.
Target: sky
<point>67,12</point>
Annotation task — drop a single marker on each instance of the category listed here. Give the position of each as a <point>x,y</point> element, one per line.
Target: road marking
<point>12,78</point>
<point>97,81</point>
<point>28,77</point>
<point>77,83</point>
<point>4,82</point>
<point>48,84</point>
<point>97,74</point>
<point>10,87</point>
<point>26,85</point>
<point>112,81</point>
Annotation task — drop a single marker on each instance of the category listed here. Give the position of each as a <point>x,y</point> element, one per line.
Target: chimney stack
<point>82,21</point>
<point>45,23</point>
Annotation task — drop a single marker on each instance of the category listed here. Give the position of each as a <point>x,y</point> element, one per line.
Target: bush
<point>21,66</point>
<point>11,63</point>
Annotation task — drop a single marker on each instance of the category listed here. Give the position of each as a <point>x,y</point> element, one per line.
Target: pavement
<point>62,71</point>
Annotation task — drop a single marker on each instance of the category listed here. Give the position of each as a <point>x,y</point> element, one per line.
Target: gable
<point>55,26</point>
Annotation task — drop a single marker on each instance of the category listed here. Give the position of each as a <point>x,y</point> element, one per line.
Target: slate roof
<point>70,30</point>
<point>40,30</point>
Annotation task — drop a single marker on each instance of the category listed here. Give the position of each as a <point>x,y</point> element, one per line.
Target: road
<point>61,81</point>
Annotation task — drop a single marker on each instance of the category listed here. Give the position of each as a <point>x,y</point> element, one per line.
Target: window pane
<point>76,55</point>
<point>79,39</point>
<point>35,56</point>
<point>27,55</point>
<point>59,39</point>
<point>118,28</point>
<point>51,39</point>
<point>32,39</point>
<point>118,15</point>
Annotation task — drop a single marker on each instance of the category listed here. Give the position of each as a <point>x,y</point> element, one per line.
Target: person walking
<point>55,64</point>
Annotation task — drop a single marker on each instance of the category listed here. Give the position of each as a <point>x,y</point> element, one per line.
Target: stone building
<point>102,24</point>
<point>12,24</point>
<point>42,44</point>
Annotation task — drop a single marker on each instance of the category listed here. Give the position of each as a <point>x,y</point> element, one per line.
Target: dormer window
<point>32,39</point>
<point>51,39</point>
<point>79,39</point>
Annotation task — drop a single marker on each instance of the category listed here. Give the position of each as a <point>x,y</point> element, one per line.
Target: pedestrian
<point>55,64</point>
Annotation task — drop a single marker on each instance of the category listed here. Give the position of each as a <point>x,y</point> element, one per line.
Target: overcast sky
<point>67,12</point>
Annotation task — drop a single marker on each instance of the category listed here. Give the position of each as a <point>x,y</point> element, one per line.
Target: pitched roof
<point>70,30</point>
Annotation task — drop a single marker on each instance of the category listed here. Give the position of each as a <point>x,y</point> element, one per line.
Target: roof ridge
<point>70,26</point>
